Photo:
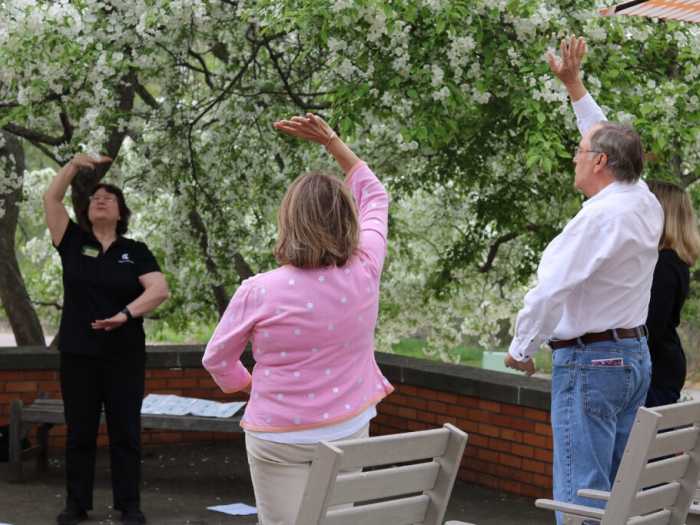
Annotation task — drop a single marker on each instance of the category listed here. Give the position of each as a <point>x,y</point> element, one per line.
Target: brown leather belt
<point>622,333</point>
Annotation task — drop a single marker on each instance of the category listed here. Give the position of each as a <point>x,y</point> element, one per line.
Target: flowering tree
<point>451,102</point>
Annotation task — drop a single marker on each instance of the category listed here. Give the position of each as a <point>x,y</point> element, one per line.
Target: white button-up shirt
<point>595,275</point>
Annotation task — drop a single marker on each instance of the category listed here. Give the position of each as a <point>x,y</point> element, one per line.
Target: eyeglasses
<point>101,199</point>
<point>578,150</point>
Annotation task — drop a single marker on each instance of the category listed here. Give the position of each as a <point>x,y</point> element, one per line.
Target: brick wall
<point>509,447</point>
<point>186,382</point>
<point>507,417</point>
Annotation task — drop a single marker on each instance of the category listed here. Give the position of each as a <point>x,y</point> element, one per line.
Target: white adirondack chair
<point>646,491</point>
<point>413,485</point>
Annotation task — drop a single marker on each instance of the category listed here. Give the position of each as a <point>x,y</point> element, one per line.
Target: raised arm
<point>568,69</point>
<point>316,130</point>
<point>588,112</point>
<point>56,213</point>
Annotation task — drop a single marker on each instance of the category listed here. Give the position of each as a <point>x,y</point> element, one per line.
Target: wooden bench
<point>44,413</point>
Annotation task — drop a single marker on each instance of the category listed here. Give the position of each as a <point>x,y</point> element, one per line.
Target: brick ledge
<point>435,375</point>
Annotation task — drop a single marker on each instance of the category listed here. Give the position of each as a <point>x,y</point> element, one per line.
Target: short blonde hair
<point>680,224</point>
<point>318,223</point>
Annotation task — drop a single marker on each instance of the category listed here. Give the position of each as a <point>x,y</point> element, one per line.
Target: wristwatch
<point>128,314</point>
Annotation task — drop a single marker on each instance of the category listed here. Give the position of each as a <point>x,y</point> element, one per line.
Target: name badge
<point>90,251</point>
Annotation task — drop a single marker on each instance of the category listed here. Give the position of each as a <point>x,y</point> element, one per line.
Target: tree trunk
<point>13,292</point>
<point>85,179</point>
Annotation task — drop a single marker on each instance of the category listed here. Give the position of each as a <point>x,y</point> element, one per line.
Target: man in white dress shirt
<point>592,297</point>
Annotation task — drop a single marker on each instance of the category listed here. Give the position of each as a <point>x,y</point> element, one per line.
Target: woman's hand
<point>310,127</point>
<point>84,160</point>
<point>111,323</point>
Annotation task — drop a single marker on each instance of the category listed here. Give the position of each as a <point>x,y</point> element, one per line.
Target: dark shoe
<point>71,516</point>
<point>133,517</point>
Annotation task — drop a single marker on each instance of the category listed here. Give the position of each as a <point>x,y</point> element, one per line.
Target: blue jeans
<point>593,409</point>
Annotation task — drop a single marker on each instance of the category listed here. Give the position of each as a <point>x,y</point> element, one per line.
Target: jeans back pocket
<point>605,389</point>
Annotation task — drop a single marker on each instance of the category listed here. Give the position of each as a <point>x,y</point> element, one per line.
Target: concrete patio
<point>179,483</point>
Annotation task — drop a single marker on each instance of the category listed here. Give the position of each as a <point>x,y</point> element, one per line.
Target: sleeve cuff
<point>353,170</point>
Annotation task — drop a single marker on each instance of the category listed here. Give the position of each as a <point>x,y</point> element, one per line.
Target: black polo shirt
<point>99,285</point>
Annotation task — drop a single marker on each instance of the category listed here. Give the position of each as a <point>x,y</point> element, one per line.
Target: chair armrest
<point>571,508</point>
<point>602,495</point>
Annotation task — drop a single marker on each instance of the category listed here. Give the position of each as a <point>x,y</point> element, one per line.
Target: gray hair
<point>624,149</point>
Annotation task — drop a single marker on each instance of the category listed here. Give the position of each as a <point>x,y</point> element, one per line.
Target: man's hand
<point>568,69</point>
<point>522,366</point>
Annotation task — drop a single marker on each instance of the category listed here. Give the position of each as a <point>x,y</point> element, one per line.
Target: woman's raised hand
<point>310,127</point>
<point>85,160</point>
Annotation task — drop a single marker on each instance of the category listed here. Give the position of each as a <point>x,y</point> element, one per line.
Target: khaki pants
<point>279,472</point>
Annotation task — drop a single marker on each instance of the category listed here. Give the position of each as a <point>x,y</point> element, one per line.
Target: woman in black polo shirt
<point>109,283</point>
<point>679,248</point>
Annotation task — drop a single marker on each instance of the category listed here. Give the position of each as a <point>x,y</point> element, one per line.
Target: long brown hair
<point>680,224</point>
<point>318,223</point>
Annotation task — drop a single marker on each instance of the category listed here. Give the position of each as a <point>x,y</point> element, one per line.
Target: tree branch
<point>144,94</point>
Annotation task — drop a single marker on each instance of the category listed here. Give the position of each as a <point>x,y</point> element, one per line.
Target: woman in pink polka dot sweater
<point>311,324</point>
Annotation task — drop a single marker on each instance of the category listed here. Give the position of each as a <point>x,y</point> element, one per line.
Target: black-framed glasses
<point>578,150</point>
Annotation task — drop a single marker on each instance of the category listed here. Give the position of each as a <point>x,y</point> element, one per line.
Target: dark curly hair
<point>124,211</point>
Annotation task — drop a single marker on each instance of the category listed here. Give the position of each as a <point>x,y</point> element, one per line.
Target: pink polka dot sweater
<point>312,332</point>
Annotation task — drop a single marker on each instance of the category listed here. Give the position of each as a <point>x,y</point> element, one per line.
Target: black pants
<point>658,396</point>
<point>87,384</point>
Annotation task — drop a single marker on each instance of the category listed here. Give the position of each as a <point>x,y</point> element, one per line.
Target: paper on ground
<point>234,509</point>
<point>180,406</point>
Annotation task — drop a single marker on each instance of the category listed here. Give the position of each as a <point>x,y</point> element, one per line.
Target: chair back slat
<point>674,441</point>
<point>682,414</point>
<point>394,448</point>
<point>654,499</point>
<point>384,483</point>
<point>657,518</point>
<point>401,512</point>
<point>664,471</point>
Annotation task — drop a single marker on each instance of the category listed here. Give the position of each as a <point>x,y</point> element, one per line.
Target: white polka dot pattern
<point>301,311</point>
